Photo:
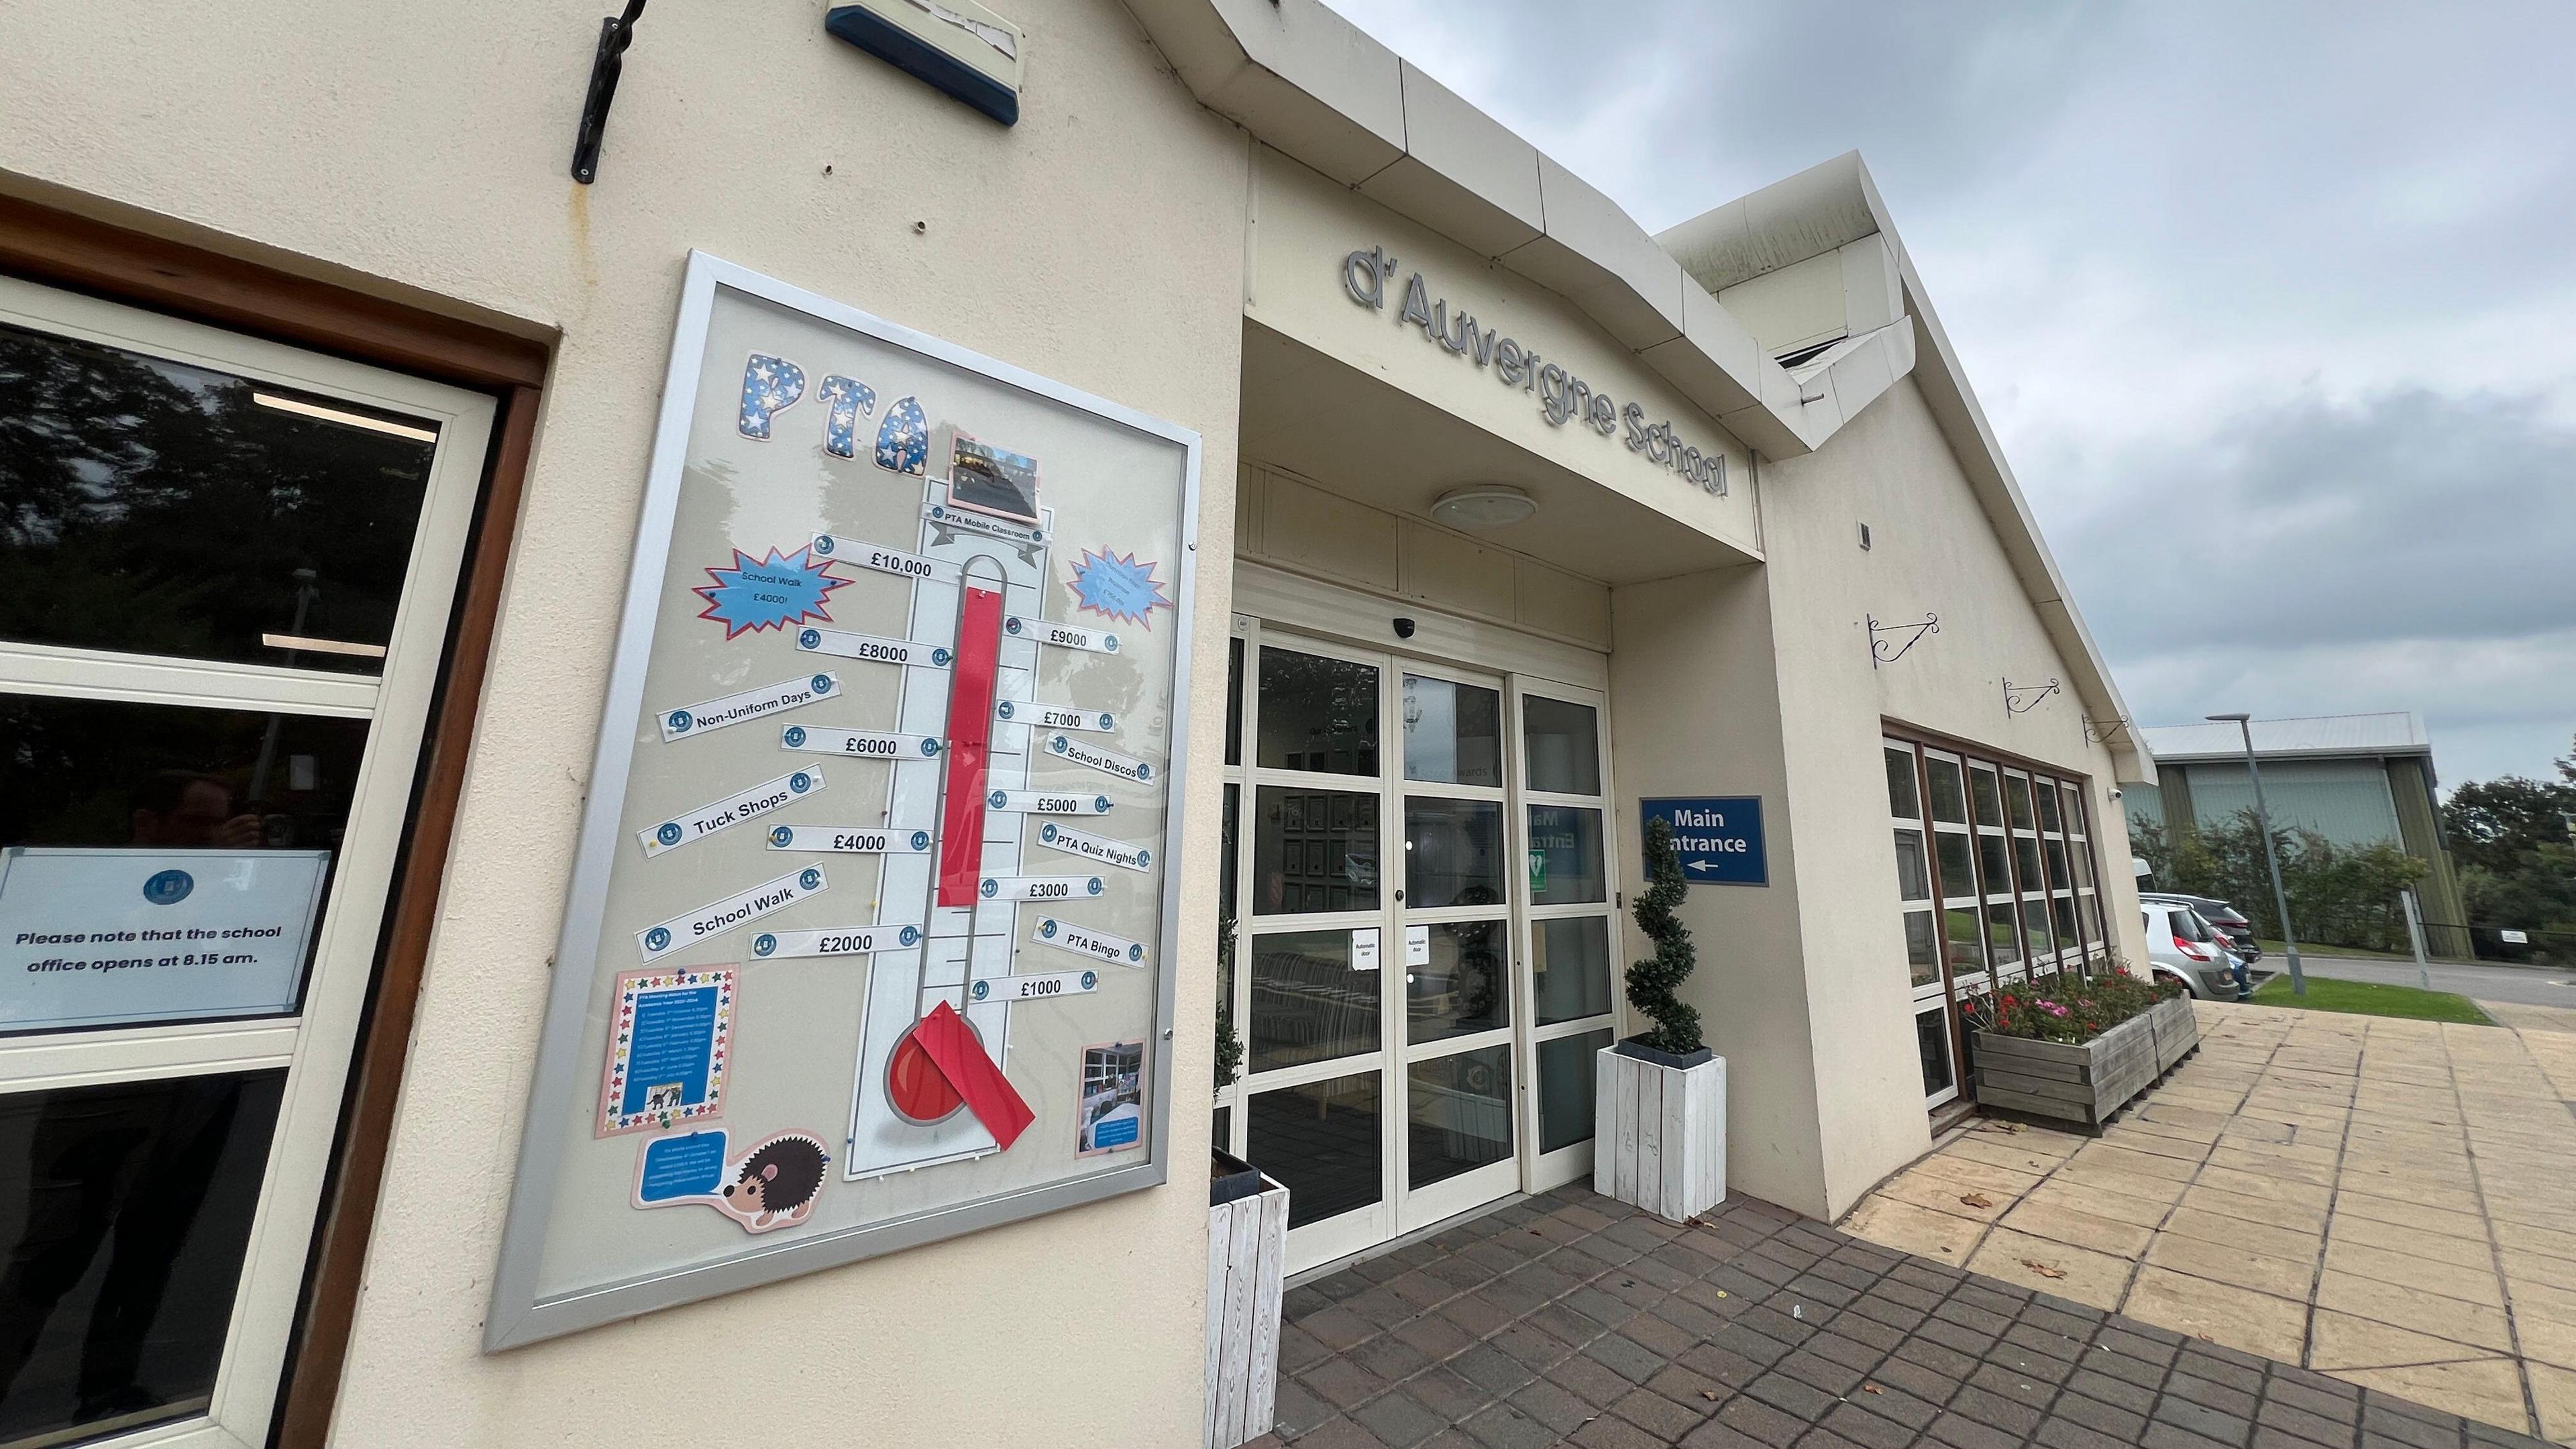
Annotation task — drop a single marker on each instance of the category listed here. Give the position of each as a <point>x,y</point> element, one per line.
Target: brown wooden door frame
<point>58,248</point>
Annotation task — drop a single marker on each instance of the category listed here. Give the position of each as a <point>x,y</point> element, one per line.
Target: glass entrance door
<point>1454,922</point>
<point>1419,927</point>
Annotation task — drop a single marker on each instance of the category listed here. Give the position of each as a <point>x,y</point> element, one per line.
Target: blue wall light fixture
<point>957,47</point>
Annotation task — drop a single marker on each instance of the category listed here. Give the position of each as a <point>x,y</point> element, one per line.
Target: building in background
<point>2355,779</point>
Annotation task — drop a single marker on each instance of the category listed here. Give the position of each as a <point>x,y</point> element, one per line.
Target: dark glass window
<point>1234,701</point>
<point>1463,988</point>
<point>100,780</point>
<point>1309,1000</point>
<point>160,508</point>
<point>126,1210</point>
<point>1566,1078</point>
<point>1317,714</point>
<point>1570,968</point>
<point>1321,1141</point>
<point>1453,733</point>
<point>1461,1110</point>
<point>1313,850</point>
<point>1453,853</point>
<point>1563,740</point>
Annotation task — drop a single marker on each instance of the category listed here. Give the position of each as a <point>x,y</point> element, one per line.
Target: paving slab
<point>1768,1329</point>
<point>2386,1202</point>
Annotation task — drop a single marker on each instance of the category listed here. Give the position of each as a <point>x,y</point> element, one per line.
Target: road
<point>2521,984</point>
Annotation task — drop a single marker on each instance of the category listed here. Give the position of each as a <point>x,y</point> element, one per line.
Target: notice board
<point>868,940</point>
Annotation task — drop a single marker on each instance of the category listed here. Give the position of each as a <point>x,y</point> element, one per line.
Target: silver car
<point>2182,946</point>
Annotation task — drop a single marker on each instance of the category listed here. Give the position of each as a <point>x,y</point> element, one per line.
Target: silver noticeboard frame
<point>563,1087</point>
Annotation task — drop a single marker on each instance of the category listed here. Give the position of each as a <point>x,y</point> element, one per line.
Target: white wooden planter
<point>1659,1134</point>
<point>1247,1255</point>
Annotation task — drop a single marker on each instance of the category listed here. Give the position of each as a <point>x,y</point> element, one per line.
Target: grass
<point>2361,998</point>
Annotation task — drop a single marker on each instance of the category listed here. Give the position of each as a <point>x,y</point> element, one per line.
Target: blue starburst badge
<point>775,592</point>
<point>1116,585</point>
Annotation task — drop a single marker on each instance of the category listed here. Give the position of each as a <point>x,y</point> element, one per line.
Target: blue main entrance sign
<point>1719,837</point>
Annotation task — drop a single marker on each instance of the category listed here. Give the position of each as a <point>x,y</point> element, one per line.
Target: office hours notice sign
<point>877,851</point>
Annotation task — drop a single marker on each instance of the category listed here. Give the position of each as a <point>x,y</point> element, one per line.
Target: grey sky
<point>2271,305</point>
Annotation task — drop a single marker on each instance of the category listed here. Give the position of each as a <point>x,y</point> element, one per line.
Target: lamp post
<point>2271,857</point>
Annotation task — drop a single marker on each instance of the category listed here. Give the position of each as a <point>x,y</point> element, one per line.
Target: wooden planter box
<point>1247,1256</point>
<point>1659,1134</point>
<point>2084,1084</point>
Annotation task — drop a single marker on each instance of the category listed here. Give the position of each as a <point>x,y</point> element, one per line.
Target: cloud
<point>2281,287</point>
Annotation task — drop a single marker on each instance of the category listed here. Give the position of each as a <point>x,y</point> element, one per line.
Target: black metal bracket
<point>2103,731</point>
<point>2025,698</point>
<point>1883,648</point>
<point>616,32</point>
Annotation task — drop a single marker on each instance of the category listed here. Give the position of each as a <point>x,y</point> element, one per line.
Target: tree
<point>2518,867</point>
<point>1653,980</point>
<point>2495,824</point>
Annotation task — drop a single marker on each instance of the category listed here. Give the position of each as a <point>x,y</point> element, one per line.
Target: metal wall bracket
<point>2103,731</point>
<point>616,32</point>
<point>2022,699</point>
<point>1883,645</point>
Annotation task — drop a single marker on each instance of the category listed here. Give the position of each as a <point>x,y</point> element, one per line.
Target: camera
<point>1404,628</point>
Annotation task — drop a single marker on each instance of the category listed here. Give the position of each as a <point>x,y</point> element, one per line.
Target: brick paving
<point>2391,1202</point>
<point>1570,1318</point>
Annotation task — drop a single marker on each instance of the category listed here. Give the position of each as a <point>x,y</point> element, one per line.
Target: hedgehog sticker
<point>771,1186</point>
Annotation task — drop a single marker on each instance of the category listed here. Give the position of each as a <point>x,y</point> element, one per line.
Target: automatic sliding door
<point>1454,908</point>
<point>1316,1095</point>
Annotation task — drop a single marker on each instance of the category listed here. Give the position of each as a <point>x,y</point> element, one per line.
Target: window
<point>225,577</point>
<point>1995,880</point>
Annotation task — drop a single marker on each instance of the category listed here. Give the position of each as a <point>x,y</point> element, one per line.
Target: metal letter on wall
<point>830,983</point>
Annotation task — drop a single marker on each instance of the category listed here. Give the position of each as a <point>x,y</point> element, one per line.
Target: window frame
<point>353,928</point>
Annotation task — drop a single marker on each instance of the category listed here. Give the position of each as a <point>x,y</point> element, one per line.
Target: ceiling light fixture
<point>1487,505</point>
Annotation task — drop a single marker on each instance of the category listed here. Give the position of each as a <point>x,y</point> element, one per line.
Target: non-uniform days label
<point>1083,941</point>
<point>681,721</point>
<point>875,649</point>
<point>1039,887</point>
<point>1045,802</point>
<point>1036,988</point>
<point>1055,716</point>
<point>849,839</point>
<point>706,820</point>
<point>834,941</point>
<point>884,560</point>
<point>1108,762</point>
<point>1063,636</point>
<point>724,915</point>
<point>859,744</point>
<point>1092,847</point>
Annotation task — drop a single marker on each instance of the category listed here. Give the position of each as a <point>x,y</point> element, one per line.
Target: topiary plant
<point>1652,981</point>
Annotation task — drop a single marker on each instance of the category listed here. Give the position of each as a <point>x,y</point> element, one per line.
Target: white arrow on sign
<point>1703,865</point>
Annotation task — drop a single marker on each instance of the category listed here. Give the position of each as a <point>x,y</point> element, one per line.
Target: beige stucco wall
<point>1758,681</point>
<point>1930,551</point>
<point>423,152</point>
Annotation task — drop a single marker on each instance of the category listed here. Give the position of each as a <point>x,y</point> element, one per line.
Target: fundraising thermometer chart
<point>944,952</point>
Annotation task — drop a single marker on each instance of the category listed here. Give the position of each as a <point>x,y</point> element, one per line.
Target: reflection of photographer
<point>190,810</point>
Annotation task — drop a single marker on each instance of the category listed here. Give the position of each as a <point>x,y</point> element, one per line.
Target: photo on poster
<point>670,1037</point>
<point>1113,1098</point>
<point>773,1185</point>
<point>994,480</point>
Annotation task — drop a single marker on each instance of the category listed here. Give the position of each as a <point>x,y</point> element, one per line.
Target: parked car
<point>2183,946</point>
<point>2230,921</point>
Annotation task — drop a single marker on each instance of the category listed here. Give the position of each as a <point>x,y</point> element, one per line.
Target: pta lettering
<point>1562,397</point>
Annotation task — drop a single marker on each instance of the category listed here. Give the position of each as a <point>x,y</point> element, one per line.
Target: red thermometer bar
<point>970,738</point>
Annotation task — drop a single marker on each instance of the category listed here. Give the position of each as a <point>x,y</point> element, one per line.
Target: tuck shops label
<point>1562,397</point>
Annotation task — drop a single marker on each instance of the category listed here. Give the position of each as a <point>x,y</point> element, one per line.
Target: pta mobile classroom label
<point>1719,837</point>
